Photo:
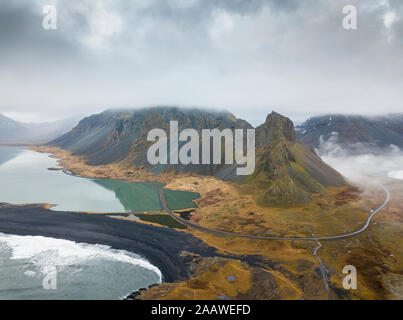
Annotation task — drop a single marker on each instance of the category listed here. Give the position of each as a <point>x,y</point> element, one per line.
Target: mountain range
<point>352,133</point>
<point>15,132</point>
<point>287,172</point>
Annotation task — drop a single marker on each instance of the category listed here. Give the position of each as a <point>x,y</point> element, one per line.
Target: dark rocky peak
<point>276,128</point>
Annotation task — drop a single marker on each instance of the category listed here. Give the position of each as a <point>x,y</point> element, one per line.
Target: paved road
<point>323,270</point>
<point>164,206</point>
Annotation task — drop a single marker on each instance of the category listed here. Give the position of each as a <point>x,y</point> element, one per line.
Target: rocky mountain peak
<point>276,128</point>
<point>281,126</point>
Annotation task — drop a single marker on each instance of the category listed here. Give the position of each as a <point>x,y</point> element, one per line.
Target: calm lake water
<point>25,178</point>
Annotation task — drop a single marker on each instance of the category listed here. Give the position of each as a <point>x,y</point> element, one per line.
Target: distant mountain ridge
<point>286,171</point>
<point>12,131</point>
<point>352,133</point>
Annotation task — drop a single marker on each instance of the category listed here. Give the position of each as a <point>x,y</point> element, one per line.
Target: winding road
<point>165,208</point>
<point>323,270</point>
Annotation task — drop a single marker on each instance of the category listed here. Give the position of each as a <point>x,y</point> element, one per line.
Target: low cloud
<point>366,167</point>
<point>249,57</point>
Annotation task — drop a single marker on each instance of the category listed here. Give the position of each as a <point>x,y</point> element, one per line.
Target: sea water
<point>28,264</point>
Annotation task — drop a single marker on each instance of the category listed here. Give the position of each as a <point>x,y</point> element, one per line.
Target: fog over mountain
<point>12,131</point>
<point>364,149</point>
<point>341,135</point>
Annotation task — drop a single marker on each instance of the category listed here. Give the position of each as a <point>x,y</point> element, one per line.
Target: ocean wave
<point>45,252</point>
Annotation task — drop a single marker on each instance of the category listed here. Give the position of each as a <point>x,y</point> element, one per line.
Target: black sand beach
<point>160,246</point>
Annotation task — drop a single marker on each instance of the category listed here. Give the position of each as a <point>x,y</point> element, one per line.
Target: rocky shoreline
<point>162,247</point>
<point>135,294</point>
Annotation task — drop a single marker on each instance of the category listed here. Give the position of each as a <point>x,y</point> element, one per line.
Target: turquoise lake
<point>25,178</point>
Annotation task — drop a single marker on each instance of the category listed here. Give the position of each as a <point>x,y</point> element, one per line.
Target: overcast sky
<point>247,56</point>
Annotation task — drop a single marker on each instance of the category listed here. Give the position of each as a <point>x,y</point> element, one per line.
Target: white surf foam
<point>45,252</point>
